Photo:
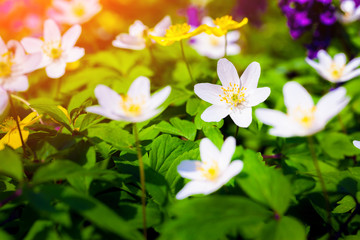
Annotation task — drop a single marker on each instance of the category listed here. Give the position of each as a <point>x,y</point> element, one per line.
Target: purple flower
<point>310,16</point>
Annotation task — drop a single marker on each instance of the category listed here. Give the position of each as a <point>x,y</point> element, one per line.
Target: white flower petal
<point>137,28</point>
<point>233,36</point>
<point>51,31</point>
<point>227,72</point>
<point>350,75</point>
<point>330,105</point>
<point>232,170</point>
<point>215,113</point>
<point>159,97</point>
<point>227,151</point>
<point>208,151</point>
<point>17,48</point>
<point>30,63</point>
<point>340,59</point>
<point>347,6</point>
<point>107,97</point>
<point>283,126</point>
<point>197,187</point>
<point>56,69</point>
<point>242,117</point>
<point>32,45</point>
<point>160,28</point>
<point>324,58</point>
<point>314,64</point>
<point>129,42</point>
<point>74,54</point>
<point>356,143</point>
<point>4,100</point>
<point>3,48</point>
<point>354,63</point>
<point>251,75</point>
<point>16,83</point>
<point>140,87</point>
<point>103,112</point>
<point>257,96</point>
<point>209,92</point>
<point>70,37</point>
<point>189,169</point>
<point>296,95</point>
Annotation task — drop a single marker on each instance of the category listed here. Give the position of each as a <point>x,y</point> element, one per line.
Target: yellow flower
<point>223,25</point>
<point>177,32</point>
<point>12,137</point>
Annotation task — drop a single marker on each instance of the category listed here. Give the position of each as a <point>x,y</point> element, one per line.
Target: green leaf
<point>93,210</point>
<point>10,164</point>
<point>41,230</point>
<point>345,205</point>
<point>178,127</point>
<point>214,134</point>
<point>283,229</point>
<point>264,184</point>
<point>113,134</point>
<point>5,236</point>
<point>55,113</point>
<point>212,217</point>
<point>337,145</point>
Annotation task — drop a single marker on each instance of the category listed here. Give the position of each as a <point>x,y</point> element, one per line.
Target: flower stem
<point>237,131</point>
<point>58,88</point>
<point>27,104</point>
<point>142,178</point>
<point>225,53</point>
<point>17,123</point>
<point>185,60</point>
<point>322,183</point>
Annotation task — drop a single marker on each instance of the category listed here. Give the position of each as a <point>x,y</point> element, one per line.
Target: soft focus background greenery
<point>83,182</point>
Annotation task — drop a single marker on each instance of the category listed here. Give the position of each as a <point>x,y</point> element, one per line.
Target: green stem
<point>58,88</point>
<point>27,104</point>
<point>225,53</point>
<point>185,60</point>
<point>142,178</point>
<point>237,131</point>
<point>322,183</point>
<point>17,123</point>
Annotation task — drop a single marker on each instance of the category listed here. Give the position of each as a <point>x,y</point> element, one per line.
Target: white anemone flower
<point>56,51</point>
<point>136,106</point>
<point>350,13</point>
<point>335,70</point>
<point>212,46</point>
<point>138,34</point>
<point>356,143</point>
<point>75,11</point>
<point>303,118</point>
<point>14,64</point>
<point>213,171</point>
<point>235,96</point>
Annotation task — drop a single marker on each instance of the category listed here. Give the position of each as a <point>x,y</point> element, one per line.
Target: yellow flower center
<point>214,41</point>
<point>178,30</point>
<point>5,65</point>
<point>132,106</point>
<point>305,117</point>
<point>53,49</point>
<point>233,95</point>
<point>209,170</point>
<point>8,125</point>
<point>79,10</point>
<point>336,71</point>
<point>224,22</point>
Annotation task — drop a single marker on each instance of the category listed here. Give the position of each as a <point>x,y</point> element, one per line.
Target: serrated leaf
<point>55,113</point>
<point>345,205</point>
<point>178,127</point>
<point>264,184</point>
